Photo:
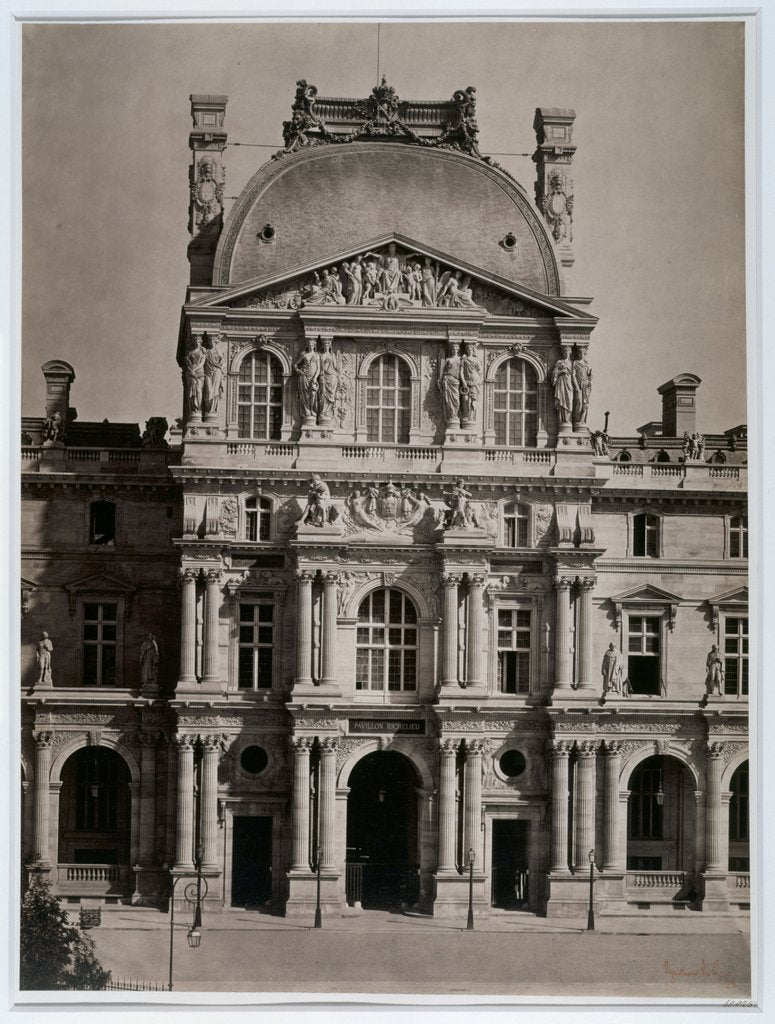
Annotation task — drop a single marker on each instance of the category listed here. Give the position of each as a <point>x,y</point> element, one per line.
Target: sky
<point>659,184</point>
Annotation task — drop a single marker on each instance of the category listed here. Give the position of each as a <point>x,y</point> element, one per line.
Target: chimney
<point>59,376</point>
<point>206,180</point>
<point>554,186</point>
<point>679,405</point>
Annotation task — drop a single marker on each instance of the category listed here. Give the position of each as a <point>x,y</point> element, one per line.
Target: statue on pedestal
<point>43,658</point>
<point>612,671</point>
<point>462,514</point>
<point>149,662</point>
<point>319,509</point>
<point>714,677</point>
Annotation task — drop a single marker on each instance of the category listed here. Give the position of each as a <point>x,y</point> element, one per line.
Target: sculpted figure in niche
<point>562,382</point>
<point>714,677</point>
<point>212,387</point>
<point>149,662</point>
<point>449,383</point>
<point>612,671</point>
<point>328,382</point>
<point>318,510</point>
<point>470,382</point>
<point>582,388</point>
<point>43,658</point>
<point>307,370</point>
<point>194,374</point>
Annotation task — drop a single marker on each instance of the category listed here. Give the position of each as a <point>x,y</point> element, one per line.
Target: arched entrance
<point>382,850</point>
<point>661,828</point>
<point>94,809</point>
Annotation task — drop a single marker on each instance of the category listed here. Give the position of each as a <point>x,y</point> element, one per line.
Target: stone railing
<point>280,454</point>
<point>738,880</point>
<point>662,880</point>
<point>93,879</point>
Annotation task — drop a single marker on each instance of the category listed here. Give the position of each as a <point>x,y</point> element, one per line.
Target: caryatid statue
<point>194,375</point>
<point>212,386</point>
<point>449,384</point>
<point>307,370</point>
<point>470,382</point>
<point>562,382</point>
<point>582,389</point>
<point>328,383</point>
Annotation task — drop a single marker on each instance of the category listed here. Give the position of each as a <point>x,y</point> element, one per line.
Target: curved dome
<point>324,199</point>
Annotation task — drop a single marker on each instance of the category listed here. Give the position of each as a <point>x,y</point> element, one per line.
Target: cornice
<point>659,566</point>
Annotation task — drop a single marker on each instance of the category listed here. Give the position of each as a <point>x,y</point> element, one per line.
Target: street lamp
<point>471,859</point>
<point>318,916</point>
<point>194,895</point>
<point>591,912</point>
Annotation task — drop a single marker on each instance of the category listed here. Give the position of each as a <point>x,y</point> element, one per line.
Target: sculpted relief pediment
<point>393,276</point>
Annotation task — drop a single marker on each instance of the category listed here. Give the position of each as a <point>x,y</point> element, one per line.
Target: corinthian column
<point>330,590</point>
<point>472,803</point>
<point>304,580</point>
<point>586,587</point>
<point>584,810</point>
<point>300,813</point>
<point>209,804</point>
<point>212,606</point>
<point>613,765</point>
<point>475,673</point>
<point>560,751</point>
<point>328,804</point>
<point>713,837</point>
<point>42,798</point>
<point>184,842</point>
<point>147,798</point>
<point>188,626</point>
<point>449,626</point>
<point>447,823</point>
<point>562,674</point>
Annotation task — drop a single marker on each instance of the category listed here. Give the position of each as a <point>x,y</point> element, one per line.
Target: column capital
<point>305,575</point>
<point>331,577</point>
<point>301,744</point>
<point>214,577</point>
<point>562,582</point>
<point>43,739</point>
<point>560,748</point>
<point>211,743</point>
<point>475,748</point>
<point>449,747</point>
<point>329,745</point>
<point>715,749</point>
<point>613,748</point>
<point>586,582</point>
<point>184,742</point>
<point>586,748</point>
<point>477,581</point>
<point>188,575</point>
<point>451,579</point>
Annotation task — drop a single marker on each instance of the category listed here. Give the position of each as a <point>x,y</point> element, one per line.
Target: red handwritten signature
<point>703,969</point>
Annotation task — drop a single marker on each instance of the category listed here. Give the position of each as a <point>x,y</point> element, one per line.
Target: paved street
<point>510,955</point>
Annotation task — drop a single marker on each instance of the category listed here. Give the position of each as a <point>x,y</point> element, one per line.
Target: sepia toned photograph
<point>384,519</point>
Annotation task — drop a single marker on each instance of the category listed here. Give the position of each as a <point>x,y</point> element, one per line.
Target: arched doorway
<point>739,852</point>
<point>94,809</point>
<point>382,849</point>
<point>661,817</point>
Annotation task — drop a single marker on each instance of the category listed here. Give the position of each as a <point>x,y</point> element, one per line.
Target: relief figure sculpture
<point>328,382</point>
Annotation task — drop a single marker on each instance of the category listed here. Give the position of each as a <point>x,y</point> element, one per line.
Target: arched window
<point>624,457</point>
<point>645,535</point>
<point>388,400</point>
<point>386,642</point>
<point>94,808</point>
<point>739,854</point>
<point>738,537</point>
<point>260,397</point>
<point>662,456</point>
<point>258,517</point>
<point>516,403</point>
<point>516,524</point>
<point>646,800</point>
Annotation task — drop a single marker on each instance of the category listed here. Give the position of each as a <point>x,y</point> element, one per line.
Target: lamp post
<point>471,859</point>
<point>591,912</point>
<point>318,916</point>
<point>194,895</point>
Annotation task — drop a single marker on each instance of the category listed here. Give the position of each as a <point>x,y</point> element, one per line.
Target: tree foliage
<point>54,954</point>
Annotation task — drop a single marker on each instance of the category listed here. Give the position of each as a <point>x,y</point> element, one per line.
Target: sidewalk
<point>373,921</point>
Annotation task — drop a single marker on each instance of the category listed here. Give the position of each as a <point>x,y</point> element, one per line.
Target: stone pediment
<point>396,274</point>
<point>646,594</point>
<point>99,584</point>
<point>737,596</point>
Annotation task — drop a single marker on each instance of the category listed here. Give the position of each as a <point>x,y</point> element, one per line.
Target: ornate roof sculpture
<point>451,124</point>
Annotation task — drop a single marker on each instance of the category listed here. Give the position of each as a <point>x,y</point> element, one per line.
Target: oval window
<point>512,763</point>
<point>254,760</point>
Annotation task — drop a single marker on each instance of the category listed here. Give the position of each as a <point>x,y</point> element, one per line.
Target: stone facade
<point>384,606</point>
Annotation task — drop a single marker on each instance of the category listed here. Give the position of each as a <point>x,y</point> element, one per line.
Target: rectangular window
<point>514,633</point>
<point>515,529</point>
<point>102,522</point>
<point>256,646</point>
<point>643,660</point>
<point>736,656</point>
<point>645,805</point>
<point>99,644</point>
<point>645,535</point>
